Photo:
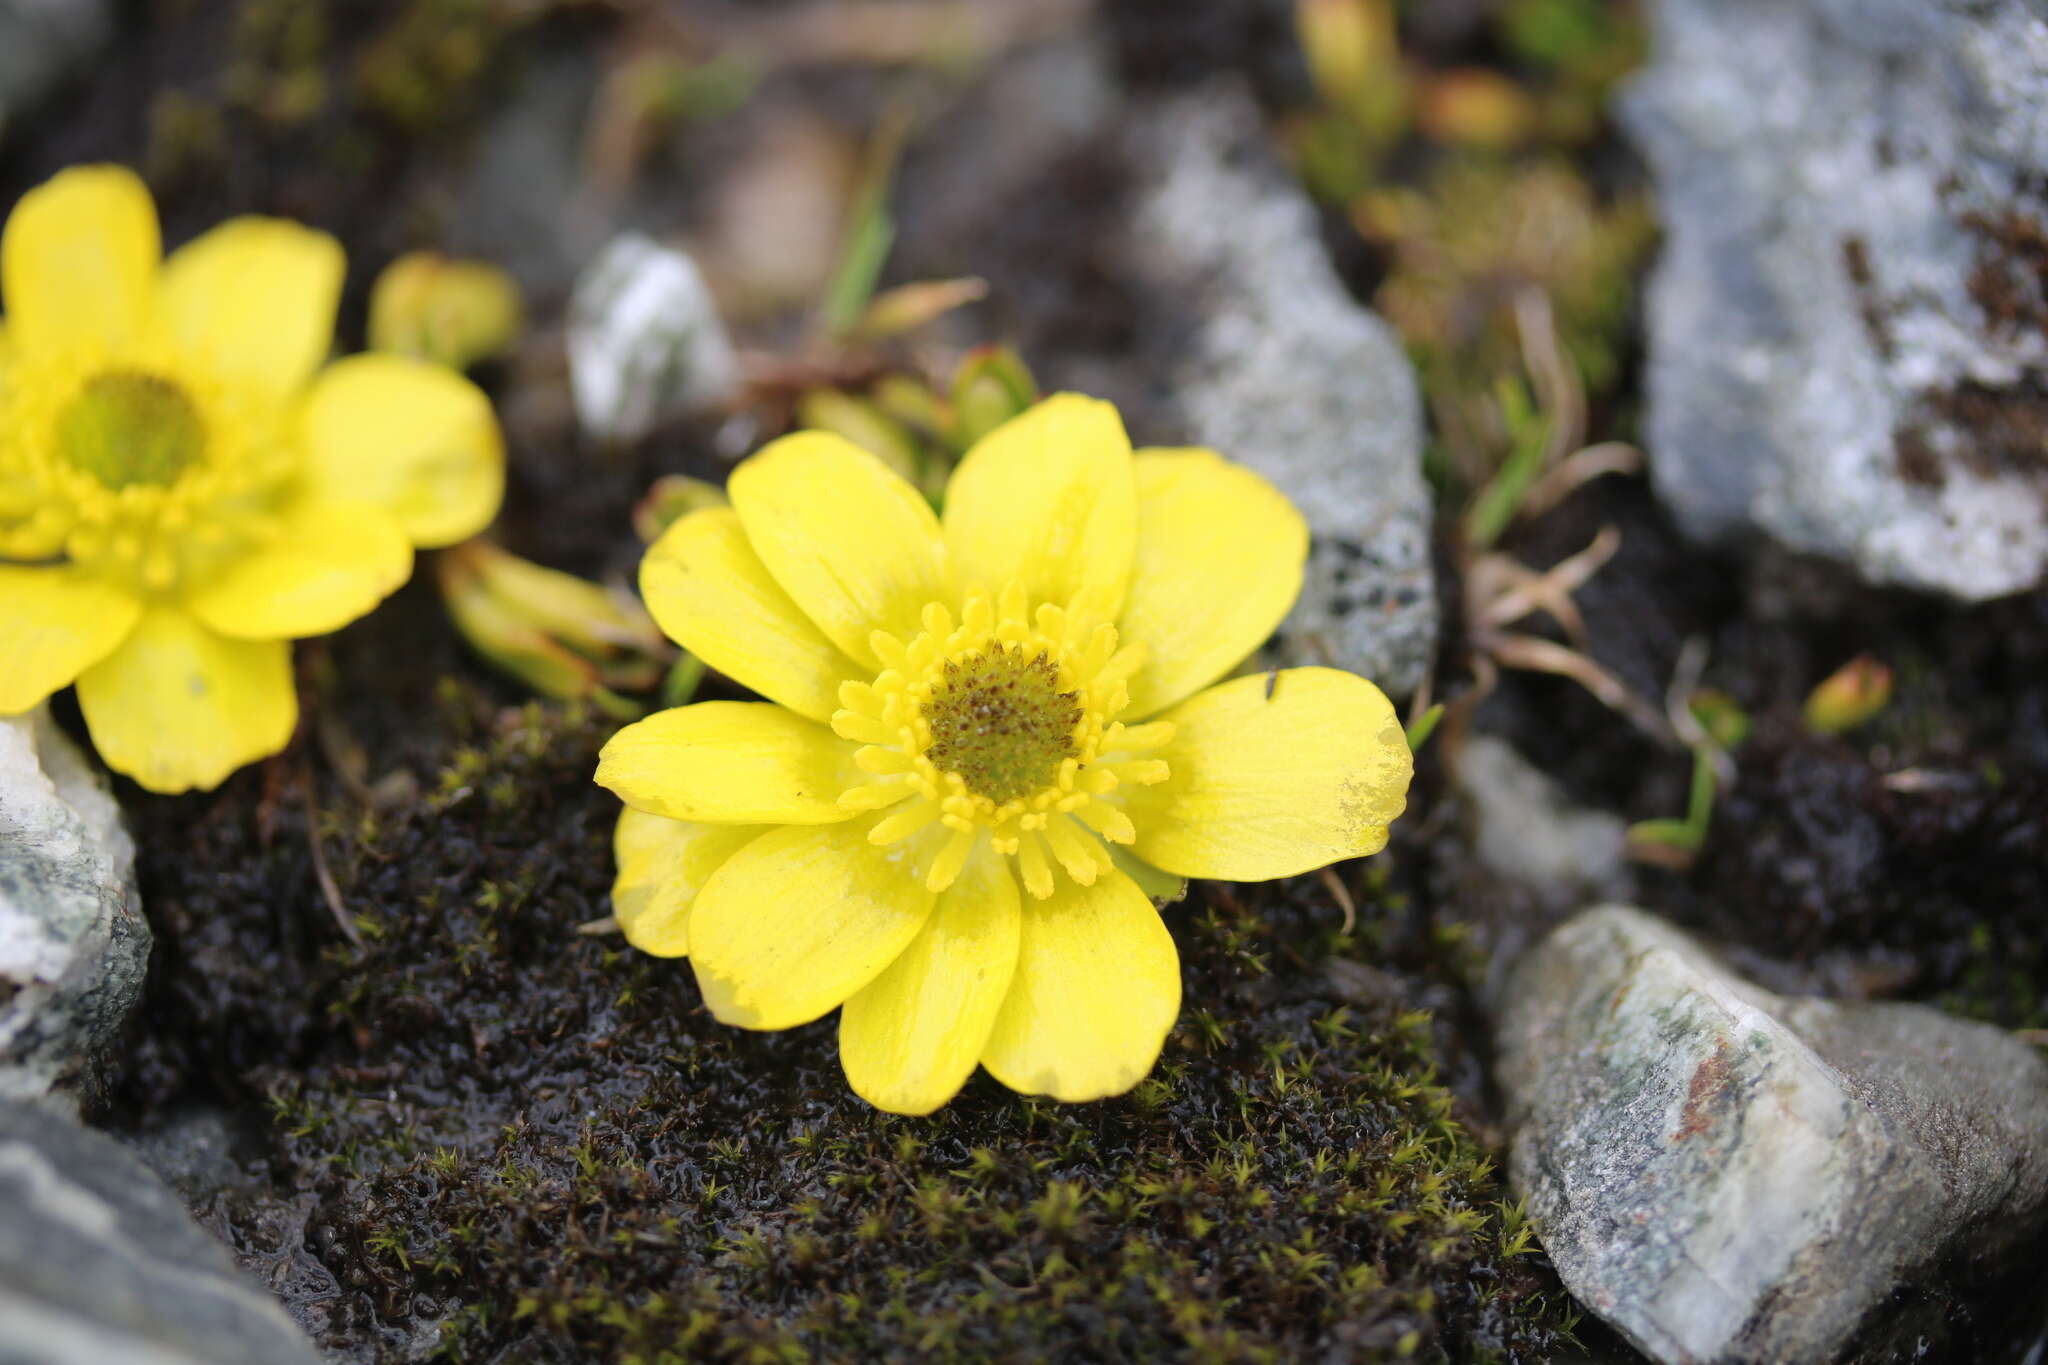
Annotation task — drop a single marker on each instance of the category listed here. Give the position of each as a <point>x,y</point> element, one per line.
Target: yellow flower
<point>982,728</point>
<point>183,488</point>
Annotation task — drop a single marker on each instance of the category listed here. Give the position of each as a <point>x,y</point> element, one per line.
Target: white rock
<point>1283,370</point>
<point>645,340</point>
<point>1844,183</point>
<point>73,942</point>
<point>101,1265</point>
<point>1728,1175</point>
<point>1527,830</point>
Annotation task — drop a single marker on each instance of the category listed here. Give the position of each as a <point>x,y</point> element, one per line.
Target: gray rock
<point>518,193</point>
<point>1527,830</point>
<point>645,340</point>
<point>42,44</point>
<point>99,1263</point>
<point>1728,1175</point>
<point>73,942</point>
<point>1277,366</point>
<point>1847,349</point>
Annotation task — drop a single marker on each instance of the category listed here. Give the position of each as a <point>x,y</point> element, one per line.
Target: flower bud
<point>563,636</point>
<point>991,386</point>
<point>454,312</point>
<point>669,499</point>
<point>1851,695</point>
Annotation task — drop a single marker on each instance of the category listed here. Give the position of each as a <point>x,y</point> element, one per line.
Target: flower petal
<point>414,436</point>
<point>713,596</point>
<point>332,561</point>
<point>799,920</point>
<point>78,260</point>
<point>178,707</point>
<point>1047,499</point>
<point>1096,990</point>
<point>909,1039</point>
<point>854,546</point>
<point>256,297</point>
<point>1264,786</point>
<point>663,864</point>
<point>1218,564</point>
<point>56,623</point>
<point>731,763</point>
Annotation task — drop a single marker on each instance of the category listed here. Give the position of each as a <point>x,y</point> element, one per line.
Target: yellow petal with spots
<point>1096,991</point>
<point>178,707</point>
<point>663,864</point>
<point>855,547</point>
<point>55,623</point>
<point>910,1038</point>
<point>1218,565</point>
<point>1048,499</point>
<point>1267,786</point>
<point>332,561</point>
<point>255,299</point>
<point>414,436</point>
<point>78,260</point>
<point>731,763</point>
<point>711,593</point>
<point>799,920</point>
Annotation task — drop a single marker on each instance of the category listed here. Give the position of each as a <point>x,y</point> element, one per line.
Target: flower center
<point>126,427</point>
<point>138,464</point>
<point>998,731</point>
<point>999,719</point>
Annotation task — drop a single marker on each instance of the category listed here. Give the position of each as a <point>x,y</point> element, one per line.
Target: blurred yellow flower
<point>184,489</point>
<point>981,730</point>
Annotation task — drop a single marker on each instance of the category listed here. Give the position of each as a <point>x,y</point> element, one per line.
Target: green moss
<point>534,1144</point>
<point>431,60</point>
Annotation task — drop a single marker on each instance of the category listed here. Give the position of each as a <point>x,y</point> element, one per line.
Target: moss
<point>531,1143</point>
<point>433,57</point>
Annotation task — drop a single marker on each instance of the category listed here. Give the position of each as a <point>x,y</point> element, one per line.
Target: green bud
<point>669,499</point>
<point>991,386</point>
<point>864,424</point>
<point>454,312</point>
<point>563,636</point>
<point>1851,695</point>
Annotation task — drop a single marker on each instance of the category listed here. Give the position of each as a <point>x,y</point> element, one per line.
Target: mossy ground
<point>530,1143</point>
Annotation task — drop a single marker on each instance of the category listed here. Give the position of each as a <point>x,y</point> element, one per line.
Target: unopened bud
<point>669,499</point>
<point>563,636</point>
<point>1851,695</point>
<point>454,312</point>
<point>864,424</point>
<point>991,386</point>
<point>1474,107</point>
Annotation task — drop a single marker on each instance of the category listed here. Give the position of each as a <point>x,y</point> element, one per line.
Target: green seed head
<point>1000,721</point>
<point>126,427</point>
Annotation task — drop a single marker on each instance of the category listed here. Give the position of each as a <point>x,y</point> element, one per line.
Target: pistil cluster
<point>137,466</point>
<point>1001,723</point>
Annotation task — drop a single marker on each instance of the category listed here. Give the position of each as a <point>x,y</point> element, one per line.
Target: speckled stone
<point>100,1264</point>
<point>1280,368</point>
<point>73,942</point>
<point>1729,1175</point>
<point>1847,350</point>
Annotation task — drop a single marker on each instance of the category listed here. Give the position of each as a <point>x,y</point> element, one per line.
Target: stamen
<point>946,867</point>
<point>904,821</point>
<point>999,719</point>
<point>1077,853</point>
